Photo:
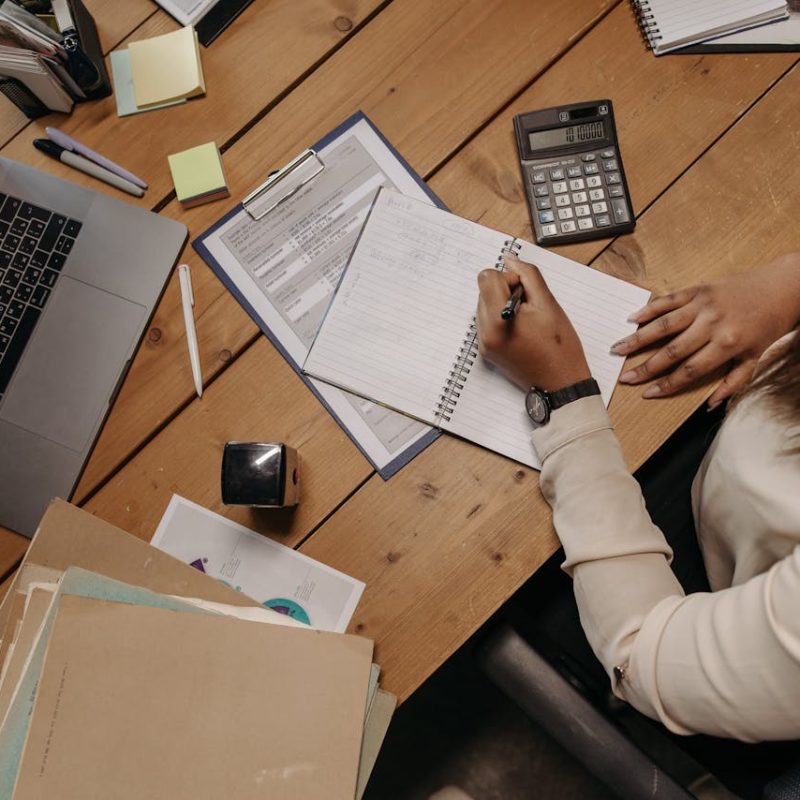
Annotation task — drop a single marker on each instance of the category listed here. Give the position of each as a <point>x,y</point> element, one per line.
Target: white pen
<point>187,298</point>
<point>84,165</point>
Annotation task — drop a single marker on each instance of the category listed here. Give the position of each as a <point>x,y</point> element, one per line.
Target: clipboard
<point>305,172</point>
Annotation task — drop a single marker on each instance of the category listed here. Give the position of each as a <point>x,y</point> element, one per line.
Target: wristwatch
<point>539,403</point>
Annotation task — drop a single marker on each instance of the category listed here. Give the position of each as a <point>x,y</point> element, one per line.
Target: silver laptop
<point>80,276</point>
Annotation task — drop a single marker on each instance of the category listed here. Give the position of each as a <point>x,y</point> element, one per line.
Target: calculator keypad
<point>583,194</point>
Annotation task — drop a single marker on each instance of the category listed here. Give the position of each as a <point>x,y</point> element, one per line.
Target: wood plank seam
<point>116,45</point>
<point>703,153</point>
<point>513,99</point>
<point>352,493</point>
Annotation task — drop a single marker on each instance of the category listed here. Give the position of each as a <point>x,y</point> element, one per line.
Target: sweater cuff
<point>572,421</point>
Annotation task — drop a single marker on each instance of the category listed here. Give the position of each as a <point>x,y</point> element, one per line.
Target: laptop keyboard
<point>34,245</point>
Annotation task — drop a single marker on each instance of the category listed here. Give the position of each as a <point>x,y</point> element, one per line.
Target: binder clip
<point>284,183</point>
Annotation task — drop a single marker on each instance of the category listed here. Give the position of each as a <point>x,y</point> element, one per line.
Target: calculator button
<point>560,187</point>
<point>562,200</point>
<point>588,157</point>
<point>546,216</point>
<point>610,166</point>
<point>594,181</point>
<point>543,202</point>
<point>615,191</point>
<point>538,176</point>
<point>596,194</point>
<point>577,184</point>
<point>557,174</point>
<point>591,169</point>
<point>599,208</point>
<point>607,154</point>
<point>549,230</point>
<point>540,191</point>
<point>574,172</point>
<point>620,210</point>
<point>602,220</point>
<point>565,213</point>
<point>612,177</point>
<point>585,223</point>
<point>579,197</point>
<point>581,211</point>
<point>567,227</point>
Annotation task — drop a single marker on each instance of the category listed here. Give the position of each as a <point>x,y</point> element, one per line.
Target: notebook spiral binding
<point>467,353</point>
<point>647,23</point>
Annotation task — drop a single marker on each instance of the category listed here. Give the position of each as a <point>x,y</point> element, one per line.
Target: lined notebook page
<point>404,305</point>
<point>490,410</point>
<point>407,300</point>
<point>681,22</point>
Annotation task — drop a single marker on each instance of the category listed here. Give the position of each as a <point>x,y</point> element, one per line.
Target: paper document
<point>276,576</point>
<point>285,267</point>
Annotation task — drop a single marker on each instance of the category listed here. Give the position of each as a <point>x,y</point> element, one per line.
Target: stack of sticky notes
<point>153,73</point>
<point>198,175</point>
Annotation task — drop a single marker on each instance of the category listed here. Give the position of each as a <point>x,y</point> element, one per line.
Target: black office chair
<point>540,658</point>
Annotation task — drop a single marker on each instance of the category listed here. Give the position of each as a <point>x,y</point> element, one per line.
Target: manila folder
<point>140,702</point>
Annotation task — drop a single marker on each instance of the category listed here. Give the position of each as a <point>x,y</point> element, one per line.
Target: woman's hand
<point>538,347</point>
<point>731,321</point>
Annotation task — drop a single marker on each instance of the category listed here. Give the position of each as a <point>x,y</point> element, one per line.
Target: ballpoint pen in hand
<point>187,299</point>
<point>510,308</point>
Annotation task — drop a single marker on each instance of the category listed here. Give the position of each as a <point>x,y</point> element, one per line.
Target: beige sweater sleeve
<point>725,663</point>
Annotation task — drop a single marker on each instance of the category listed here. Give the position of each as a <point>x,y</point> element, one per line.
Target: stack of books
<point>128,674</point>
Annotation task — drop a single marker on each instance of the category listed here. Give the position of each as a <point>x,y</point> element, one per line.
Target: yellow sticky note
<point>166,68</point>
<point>198,175</point>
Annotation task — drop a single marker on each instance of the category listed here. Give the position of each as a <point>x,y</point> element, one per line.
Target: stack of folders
<point>33,62</point>
<point>128,674</point>
<point>52,58</point>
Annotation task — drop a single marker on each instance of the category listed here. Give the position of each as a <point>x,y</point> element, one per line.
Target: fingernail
<point>652,391</point>
<point>618,347</point>
<point>628,376</point>
<point>712,406</point>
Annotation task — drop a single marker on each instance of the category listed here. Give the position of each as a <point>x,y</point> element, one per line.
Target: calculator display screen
<point>573,134</point>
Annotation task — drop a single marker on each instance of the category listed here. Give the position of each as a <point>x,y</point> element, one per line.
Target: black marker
<point>510,308</point>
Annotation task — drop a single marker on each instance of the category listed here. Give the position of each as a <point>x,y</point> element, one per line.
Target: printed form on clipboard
<point>282,251</point>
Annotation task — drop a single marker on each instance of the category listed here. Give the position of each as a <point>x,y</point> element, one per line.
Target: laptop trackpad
<point>64,381</point>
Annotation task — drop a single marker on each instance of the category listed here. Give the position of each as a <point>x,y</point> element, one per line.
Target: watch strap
<point>575,391</point>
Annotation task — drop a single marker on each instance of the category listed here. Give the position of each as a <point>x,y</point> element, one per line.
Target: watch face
<point>536,405</point>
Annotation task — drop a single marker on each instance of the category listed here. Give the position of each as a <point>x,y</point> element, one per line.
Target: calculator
<point>573,174</point>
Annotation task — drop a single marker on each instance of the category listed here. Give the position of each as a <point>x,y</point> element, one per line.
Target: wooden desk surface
<point>710,145</point>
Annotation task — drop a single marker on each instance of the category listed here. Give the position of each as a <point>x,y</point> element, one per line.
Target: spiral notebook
<point>671,24</point>
<point>401,328</point>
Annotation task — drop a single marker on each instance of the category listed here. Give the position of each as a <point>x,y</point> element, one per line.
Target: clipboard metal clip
<point>284,183</point>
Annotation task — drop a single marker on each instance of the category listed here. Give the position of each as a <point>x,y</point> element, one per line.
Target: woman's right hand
<point>730,321</point>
